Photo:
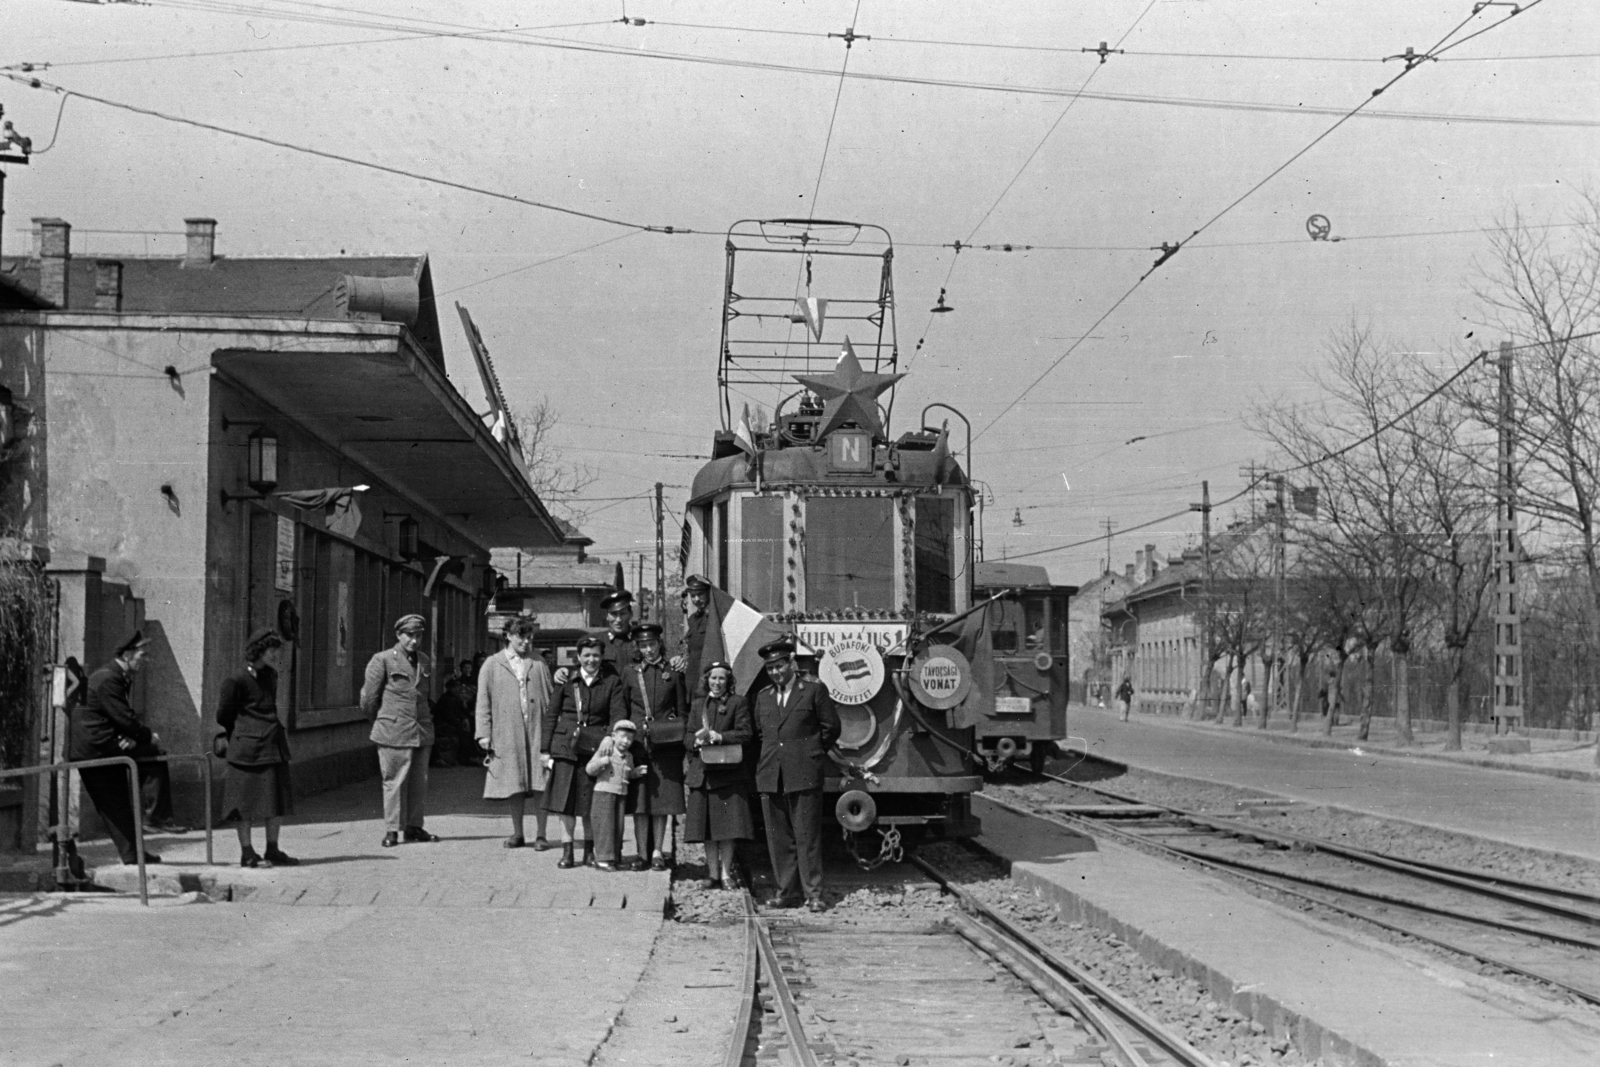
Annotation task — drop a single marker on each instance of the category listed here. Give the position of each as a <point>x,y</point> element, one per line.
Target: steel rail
<point>1483,885</point>
<point>1075,982</point>
<point>1093,825</point>
<point>800,1052</point>
<point>749,1004</point>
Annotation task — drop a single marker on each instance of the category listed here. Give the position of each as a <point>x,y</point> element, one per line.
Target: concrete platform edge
<point>1310,1037</point>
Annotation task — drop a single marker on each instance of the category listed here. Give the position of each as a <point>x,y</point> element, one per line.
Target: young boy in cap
<point>612,769</point>
<point>394,695</point>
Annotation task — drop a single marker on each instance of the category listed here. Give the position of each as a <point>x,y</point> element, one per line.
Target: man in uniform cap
<point>394,695</point>
<point>697,606</point>
<point>105,725</point>
<point>617,650</point>
<point>796,724</point>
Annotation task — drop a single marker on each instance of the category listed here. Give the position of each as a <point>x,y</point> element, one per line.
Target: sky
<point>1092,397</point>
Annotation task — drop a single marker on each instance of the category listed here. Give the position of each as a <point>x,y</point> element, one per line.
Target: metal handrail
<point>133,798</point>
<point>133,794</point>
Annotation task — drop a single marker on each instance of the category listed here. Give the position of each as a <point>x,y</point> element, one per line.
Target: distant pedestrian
<point>452,723</point>
<point>514,690</point>
<point>574,725</point>
<point>1125,698</point>
<point>658,701</point>
<point>612,768</point>
<point>797,724</point>
<point>714,772</point>
<point>105,725</point>
<point>394,695</point>
<point>256,747</point>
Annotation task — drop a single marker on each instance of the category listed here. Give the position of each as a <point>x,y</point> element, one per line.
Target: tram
<point>820,521</point>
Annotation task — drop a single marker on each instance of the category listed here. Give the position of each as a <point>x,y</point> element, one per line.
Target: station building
<point>220,444</point>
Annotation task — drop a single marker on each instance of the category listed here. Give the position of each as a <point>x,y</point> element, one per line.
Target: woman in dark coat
<point>574,724</point>
<point>253,742</point>
<point>719,793</point>
<point>658,703</point>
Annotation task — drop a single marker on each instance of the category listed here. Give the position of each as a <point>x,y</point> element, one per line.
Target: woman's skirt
<point>255,794</point>
<point>660,791</point>
<point>569,789</point>
<point>719,814</point>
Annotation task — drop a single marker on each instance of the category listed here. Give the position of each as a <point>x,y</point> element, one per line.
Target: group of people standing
<point>623,732</point>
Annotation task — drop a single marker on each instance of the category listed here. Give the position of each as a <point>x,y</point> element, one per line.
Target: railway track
<point>1550,934</point>
<point>967,988</point>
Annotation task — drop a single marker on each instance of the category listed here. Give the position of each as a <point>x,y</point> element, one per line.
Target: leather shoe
<point>782,902</point>
<point>391,839</point>
<point>249,858</point>
<point>167,827</point>
<point>278,857</point>
<point>514,841</point>
<point>638,864</point>
<point>149,857</point>
<point>604,865</point>
<point>816,904</point>
<point>540,844</point>
<point>417,833</point>
<point>566,861</point>
<point>659,863</point>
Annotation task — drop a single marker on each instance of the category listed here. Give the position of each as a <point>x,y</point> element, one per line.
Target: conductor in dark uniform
<point>796,723</point>
<point>697,597</point>
<point>105,725</point>
<point>617,648</point>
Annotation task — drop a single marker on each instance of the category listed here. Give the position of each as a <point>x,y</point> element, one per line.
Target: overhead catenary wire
<point>1343,450</point>
<point>1168,251</point>
<point>368,164</point>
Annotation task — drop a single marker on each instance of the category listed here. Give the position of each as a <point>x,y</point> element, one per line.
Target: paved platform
<point>1338,994</point>
<point>459,951</point>
<point>1529,810</point>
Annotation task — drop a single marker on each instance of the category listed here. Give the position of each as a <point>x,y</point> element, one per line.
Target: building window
<point>720,533</point>
<point>850,546</point>
<point>761,552</point>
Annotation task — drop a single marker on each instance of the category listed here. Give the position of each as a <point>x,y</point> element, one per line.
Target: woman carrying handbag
<point>719,788</point>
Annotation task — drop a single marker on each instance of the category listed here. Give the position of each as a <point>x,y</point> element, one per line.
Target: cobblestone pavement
<point>454,952</point>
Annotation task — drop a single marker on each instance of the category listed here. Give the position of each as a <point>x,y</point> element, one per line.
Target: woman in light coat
<point>513,691</point>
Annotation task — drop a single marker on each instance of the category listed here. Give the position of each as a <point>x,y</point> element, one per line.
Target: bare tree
<point>1354,447</point>
<point>557,481</point>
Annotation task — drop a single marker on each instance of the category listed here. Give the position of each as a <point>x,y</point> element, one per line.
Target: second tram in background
<point>817,520</point>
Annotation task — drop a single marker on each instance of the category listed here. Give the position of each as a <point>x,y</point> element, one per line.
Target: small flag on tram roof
<point>814,309</point>
<point>744,436</point>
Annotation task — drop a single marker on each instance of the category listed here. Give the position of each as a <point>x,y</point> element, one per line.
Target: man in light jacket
<point>394,696</point>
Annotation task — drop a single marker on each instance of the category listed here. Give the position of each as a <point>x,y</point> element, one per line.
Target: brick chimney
<point>55,257</point>
<point>1128,572</point>
<point>108,285</point>
<point>201,235</point>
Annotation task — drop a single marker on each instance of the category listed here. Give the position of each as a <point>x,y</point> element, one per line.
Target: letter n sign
<point>850,451</point>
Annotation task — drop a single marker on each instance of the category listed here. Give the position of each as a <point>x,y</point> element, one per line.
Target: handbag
<point>722,754</point>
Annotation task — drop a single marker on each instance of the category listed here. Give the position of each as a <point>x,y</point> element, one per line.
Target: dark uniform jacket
<point>248,715</point>
<point>657,704</point>
<point>730,717</point>
<point>106,715</point>
<point>795,736</point>
<point>581,715</point>
<point>694,647</point>
<point>617,654</point>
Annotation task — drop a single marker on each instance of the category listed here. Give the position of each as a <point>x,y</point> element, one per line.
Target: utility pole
<point>1509,684</point>
<point>1108,524</point>
<point>638,588</point>
<point>1204,508</point>
<point>1280,566</point>
<point>1253,474</point>
<point>661,563</point>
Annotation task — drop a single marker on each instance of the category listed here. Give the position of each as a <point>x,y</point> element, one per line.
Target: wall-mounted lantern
<point>262,461</point>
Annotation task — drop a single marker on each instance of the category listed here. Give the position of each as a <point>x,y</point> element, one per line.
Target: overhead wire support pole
<point>1280,567</point>
<point>1203,690</point>
<point>661,563</point>
<point>1510,688</point>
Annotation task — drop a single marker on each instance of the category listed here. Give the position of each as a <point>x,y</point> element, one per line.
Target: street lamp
<point>262,461</point>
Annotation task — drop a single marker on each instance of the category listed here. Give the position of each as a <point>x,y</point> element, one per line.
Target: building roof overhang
<point>391,410</point>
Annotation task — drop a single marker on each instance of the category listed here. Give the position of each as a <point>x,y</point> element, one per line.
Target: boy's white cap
<point>624,724</point>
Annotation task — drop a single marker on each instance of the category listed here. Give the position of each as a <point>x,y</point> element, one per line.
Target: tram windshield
<point>850,546</point>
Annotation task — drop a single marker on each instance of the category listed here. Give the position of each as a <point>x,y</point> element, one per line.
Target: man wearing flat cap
<point>105,725</point>
<point>697,616</point>
<point>394,695</point>
<point>796,724</point>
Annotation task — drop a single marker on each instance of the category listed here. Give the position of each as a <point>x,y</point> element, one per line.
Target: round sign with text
<point>852,670</point>
<point>941,676</point>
